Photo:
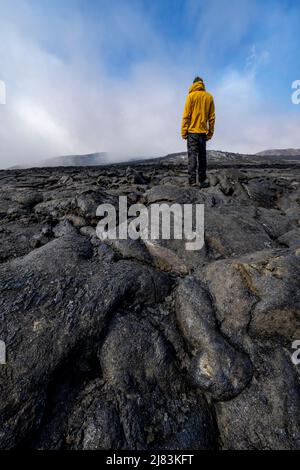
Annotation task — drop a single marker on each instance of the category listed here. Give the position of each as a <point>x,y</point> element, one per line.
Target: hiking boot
<point>204,184</point>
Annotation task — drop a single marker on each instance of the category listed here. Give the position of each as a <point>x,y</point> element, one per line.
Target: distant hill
<point>91,159</point>
<point>280,152</point>
<point>221,158</point>
<point>214,157</point>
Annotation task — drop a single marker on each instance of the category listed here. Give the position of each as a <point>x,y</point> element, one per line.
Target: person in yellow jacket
<point>198,123</point>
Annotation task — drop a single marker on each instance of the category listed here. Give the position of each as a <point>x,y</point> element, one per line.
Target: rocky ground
<point>129,345</point>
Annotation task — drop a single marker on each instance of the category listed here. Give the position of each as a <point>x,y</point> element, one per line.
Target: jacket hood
<point>198,86</point>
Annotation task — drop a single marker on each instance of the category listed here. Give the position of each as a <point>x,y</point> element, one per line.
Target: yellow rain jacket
<point>199,112</point>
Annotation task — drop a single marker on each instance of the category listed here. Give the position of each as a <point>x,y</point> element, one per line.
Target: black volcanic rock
<point>282,152</point>
<point>132,344</point>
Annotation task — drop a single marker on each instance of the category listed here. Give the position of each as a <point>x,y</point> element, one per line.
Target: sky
<point>113,75</point>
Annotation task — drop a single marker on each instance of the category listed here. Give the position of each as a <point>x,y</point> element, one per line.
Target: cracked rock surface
<point>130,345</point>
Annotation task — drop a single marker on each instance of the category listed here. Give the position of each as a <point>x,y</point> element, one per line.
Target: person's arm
<point>186,118</point>
<point>211,120</point>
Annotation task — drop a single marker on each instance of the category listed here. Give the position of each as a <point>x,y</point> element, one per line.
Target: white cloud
<point>247,121</point>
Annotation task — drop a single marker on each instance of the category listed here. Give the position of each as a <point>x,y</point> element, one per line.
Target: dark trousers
<point>196,144</point>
